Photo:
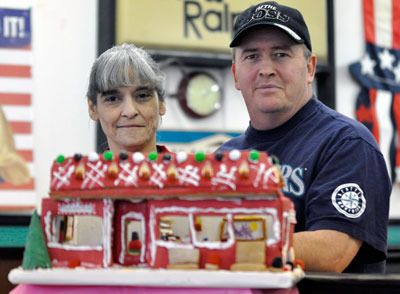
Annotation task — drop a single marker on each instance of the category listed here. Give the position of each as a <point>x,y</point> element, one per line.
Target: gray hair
<point>121,66</point>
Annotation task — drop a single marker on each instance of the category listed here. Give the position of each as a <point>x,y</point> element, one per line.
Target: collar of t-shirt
<point>275,134</point>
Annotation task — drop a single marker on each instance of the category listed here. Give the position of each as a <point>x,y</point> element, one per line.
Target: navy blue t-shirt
<point>335,174</point>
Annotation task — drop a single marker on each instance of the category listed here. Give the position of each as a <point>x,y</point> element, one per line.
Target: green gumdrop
<point>108,155</point>
<point>199,156</point>
<point>60,158</point>
<point>254,155</point>
<point>153,156</point>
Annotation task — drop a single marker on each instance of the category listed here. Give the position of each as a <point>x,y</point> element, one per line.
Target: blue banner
<point>15,27</point>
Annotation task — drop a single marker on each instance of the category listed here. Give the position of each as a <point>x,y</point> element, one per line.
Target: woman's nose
<point>129,107</point>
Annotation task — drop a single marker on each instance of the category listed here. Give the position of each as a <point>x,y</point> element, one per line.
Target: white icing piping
<point>76,207</point>
<point>94,176</point>
<point>188,175</point>
<point>73,247</point>
<point>136,216</point>
<point>211,245</point>
<point>264,175</point>
<point>224,177</point>
<point>62,175</point>
<point>129,178</point>
<point>153,245</point>
<point>108,210</point>
<point>159,175</point>
<point>47,227</point>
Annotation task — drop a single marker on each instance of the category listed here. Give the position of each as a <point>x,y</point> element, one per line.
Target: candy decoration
<point>60,158</point>
<point>253,226</point>
<point>77,157</point>
<point>207,170</point>
<point>254,155</point>
<point>93,157</point>
<point>138,157</point>
<point>80,171</point>
<point>167,157</point>
<point>123,156</point>
<point>153,156</point>
<point>144,171</point>
<point>181,156</point>
<point>299,263</point>
<point>113,170</point>
<point>199,156</point>
<point>219,155</point>
<point>108,155</point>
<point>198,224</point>
<point>234,154</point>
<point>172,173</point>
<point>244,170</point>
<point>36,254</point>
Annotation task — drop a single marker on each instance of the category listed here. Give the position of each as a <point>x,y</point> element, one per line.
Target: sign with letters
<point>201,25</point>
<point>15,27</point>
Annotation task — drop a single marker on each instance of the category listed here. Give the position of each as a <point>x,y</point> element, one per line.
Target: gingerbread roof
<point>168,174</point>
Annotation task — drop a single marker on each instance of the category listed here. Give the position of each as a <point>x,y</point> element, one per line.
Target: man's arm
<point>325,250</point>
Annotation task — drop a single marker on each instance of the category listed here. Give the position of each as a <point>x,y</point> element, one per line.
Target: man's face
<point>129,117</point>
<point>274,76</point>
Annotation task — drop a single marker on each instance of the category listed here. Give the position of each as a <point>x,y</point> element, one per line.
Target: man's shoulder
<point>336,123</point>
<point>234,143</point>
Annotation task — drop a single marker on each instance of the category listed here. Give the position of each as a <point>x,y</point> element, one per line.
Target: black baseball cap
<point>271,13</point>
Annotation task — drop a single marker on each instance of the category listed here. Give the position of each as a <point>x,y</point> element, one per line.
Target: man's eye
<point>280,54</point>
<point>251,56</point>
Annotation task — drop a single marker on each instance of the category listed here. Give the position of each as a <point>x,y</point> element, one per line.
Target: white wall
<point>64,46</point>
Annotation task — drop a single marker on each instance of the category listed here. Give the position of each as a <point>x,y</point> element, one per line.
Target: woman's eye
<point>142,96</point>
<point>111,98</point>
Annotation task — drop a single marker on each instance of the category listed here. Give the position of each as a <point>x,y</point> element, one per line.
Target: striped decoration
<point>16,88</point>
<point>378,73</point>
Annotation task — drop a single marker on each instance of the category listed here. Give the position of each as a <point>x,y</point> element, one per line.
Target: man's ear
<point>92,110</point>
<point>233,68</point>
<point>311,68</point>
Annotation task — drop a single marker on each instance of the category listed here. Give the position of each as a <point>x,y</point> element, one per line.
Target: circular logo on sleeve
<point>349,200</point>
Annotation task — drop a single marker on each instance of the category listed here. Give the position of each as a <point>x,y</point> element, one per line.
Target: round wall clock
<point>199,94</point>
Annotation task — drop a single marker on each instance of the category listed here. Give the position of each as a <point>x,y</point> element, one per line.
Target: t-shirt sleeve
<point>351,193</point>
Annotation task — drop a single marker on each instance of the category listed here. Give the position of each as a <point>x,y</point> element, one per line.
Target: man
<point>331,165</point>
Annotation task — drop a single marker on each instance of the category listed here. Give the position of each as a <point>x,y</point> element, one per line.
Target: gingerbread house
<point>171,210</point>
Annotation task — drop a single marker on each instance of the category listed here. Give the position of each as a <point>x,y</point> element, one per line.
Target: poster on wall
<point>16,139</point>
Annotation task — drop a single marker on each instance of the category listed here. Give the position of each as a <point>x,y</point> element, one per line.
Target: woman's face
<point>129,117</point>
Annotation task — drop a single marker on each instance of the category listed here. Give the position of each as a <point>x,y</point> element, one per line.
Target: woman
<point>126,96</point>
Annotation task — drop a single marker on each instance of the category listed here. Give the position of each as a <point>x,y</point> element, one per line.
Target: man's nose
<point>129,107</point>
<point>266,67</point>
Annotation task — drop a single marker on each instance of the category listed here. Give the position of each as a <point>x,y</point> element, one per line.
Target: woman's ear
<point>161,108</point>
<point>92,110</point>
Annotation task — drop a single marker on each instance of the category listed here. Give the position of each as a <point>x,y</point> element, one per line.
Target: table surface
<point>28,289</point>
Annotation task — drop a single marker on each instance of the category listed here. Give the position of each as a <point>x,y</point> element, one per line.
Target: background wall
<point>64,47</point>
